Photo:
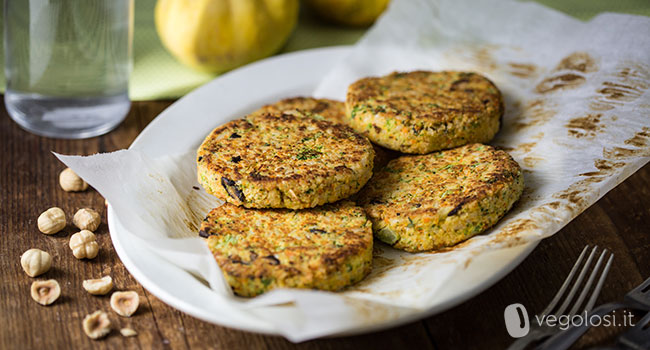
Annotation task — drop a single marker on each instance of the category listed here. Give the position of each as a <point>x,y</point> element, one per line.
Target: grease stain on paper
<point>523,70</point>
<point>605,168</point>
<point>534,113</point>
<point>532,162</point>
<point>628,83</point>
<point>559,82</point>
<point>623,153</point>
<point>569,73</point>
<point>640,139</point>
<point>585,127</point>
<point>578,61</point>
<point>509,235</point>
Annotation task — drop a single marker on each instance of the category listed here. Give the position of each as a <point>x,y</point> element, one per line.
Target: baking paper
<point>577,120</point>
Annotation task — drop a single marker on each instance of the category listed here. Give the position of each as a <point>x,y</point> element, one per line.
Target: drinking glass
<point>67,65</point>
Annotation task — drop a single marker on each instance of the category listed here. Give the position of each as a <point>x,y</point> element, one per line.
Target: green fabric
<point>157,75</point>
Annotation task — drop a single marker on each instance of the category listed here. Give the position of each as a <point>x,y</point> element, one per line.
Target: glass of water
<point>67,65</point>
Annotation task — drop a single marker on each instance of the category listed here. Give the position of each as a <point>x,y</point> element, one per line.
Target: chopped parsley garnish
<point>309,153</point>
<point>411,224</point>
<point>230,239</point>
<point>313,137</point>
<point>380,109</point>
<point>355,110</point>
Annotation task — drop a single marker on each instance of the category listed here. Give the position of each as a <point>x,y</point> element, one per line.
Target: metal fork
<point>638,337</point>
<point>539,331</point>
<point>638,299</point>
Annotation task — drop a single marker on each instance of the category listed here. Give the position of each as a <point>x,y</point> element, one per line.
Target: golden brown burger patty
<point>328,248</point>
<point>283,161</point>
<point>323,109</point>
<point>421,111</point>
<point>425,202</point>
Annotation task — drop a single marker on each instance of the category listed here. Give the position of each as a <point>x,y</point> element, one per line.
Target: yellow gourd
<point>219,35</point>
<point>349,12</point>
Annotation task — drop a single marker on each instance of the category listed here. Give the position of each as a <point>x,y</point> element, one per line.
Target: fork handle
<point>533,336</point>
<point>565,339</point>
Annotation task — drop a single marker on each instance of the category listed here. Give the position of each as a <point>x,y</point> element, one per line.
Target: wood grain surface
<point>29,185</point>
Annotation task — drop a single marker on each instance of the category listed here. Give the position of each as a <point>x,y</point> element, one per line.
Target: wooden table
<point>29,181</point>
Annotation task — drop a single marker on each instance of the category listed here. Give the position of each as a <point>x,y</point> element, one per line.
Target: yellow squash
<point>349,12</point>
<point>219,35</point>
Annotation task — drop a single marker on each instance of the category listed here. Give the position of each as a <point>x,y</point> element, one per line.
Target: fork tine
<point>587,286</point>
<point>577,283</point>
<point>599,285</point>
<point>565,284</point>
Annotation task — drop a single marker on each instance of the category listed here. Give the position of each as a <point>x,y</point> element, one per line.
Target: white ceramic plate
<point>183,126</point>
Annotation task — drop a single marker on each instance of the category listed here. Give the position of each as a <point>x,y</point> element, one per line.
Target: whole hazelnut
<point>51,221</point>
<point>86,219</point>
<point>35,262</point>
<point>84,245</point>
<point>71,182</point>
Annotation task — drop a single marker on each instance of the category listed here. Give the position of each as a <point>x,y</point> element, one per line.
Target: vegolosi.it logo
<point>517,321</point>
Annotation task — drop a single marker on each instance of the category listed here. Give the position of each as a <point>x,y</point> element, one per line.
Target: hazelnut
<point>128,332</point>
<point>51,221</point>
<point>125,303</point>
<point>35,262</point>
<point>99,286</point>
<point>97,325</point>
<point>45,292</point>
<point>84,245</point>
<point>71,182</point>
<point>86,219</point>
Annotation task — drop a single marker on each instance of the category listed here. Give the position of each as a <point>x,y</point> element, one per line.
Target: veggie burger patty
<point>283,161</point>
<point>422,112</point>
<point>328,248</point>
<point>425,202</point>
<point>322,108</point>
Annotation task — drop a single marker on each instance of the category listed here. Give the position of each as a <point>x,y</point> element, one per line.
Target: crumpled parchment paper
<point>577,120</point>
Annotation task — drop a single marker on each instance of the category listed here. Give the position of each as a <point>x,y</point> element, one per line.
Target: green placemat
<point>157,75</point>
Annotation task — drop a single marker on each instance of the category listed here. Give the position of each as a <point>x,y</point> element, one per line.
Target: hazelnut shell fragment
<point>128,332</point>
<point>100,286</point>
<point>97,325</point>
<point>125,303</point>
<point>45,292</point>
